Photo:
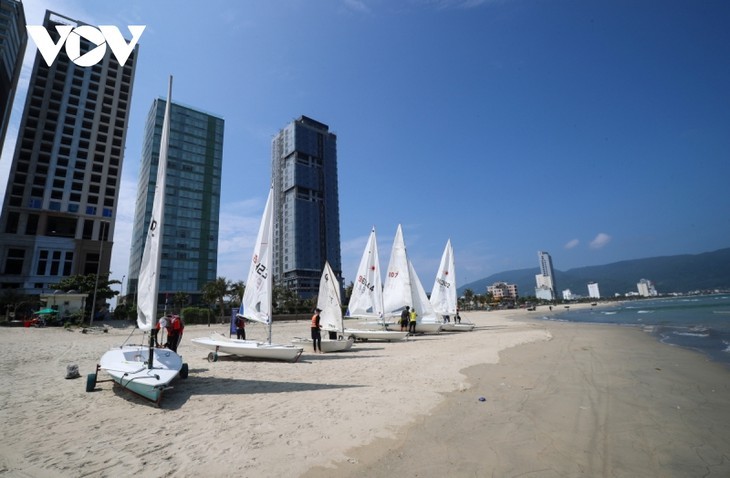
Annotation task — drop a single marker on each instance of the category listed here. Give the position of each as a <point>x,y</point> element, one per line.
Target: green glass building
<point>192,200</point>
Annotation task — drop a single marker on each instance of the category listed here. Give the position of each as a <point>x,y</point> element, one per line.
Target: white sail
<point>443,294</point>
<point>366,300</point>
<point>419,299</point>
<point>328,301</point>
<point>257,296</point>
<point>397,288</point>
<point>148,280</point>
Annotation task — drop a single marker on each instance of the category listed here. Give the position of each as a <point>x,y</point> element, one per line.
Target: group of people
<point>174,326</point>
<point>408,320</point>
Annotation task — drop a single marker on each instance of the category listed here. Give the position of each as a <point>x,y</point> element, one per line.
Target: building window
<point>42,263</point>
<point>14,262</point>
<point>12,225</point>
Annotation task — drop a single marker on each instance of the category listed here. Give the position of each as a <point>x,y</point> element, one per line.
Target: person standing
<point>316,334</point>
<point>240,328</point>
<point>174,333</point>
<point>404,317</point>
<point>412,322</point>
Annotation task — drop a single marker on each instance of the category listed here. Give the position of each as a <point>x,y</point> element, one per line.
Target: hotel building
<point>192,200</point>
<point>13,39</point>
<point>306,205</point>
<point>61,200</point>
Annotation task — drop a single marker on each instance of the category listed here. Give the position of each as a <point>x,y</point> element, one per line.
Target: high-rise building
<point>13,39</point>
<point>61,199</point>
<point>593,291</point>
<point>546,286</point>
<point>306,205</point>
<point>192,200</point>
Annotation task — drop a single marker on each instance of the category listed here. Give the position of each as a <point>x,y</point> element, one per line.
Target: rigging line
<point>130,336</point>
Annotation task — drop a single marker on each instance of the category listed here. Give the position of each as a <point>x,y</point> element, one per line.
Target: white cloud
<point>571,244</point>
<point>600,240</point>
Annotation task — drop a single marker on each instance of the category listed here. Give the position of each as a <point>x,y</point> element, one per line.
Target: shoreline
<point>595,400</point>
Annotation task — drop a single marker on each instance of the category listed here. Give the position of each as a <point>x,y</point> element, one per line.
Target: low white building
<point>66,303</point>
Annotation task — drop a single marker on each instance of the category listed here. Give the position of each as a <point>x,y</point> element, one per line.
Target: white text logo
<point>101,37</point>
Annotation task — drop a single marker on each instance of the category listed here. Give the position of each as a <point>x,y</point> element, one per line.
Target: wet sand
<point>594,400</point>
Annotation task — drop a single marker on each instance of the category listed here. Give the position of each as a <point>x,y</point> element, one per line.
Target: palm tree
<point>237,290</point>
<point>180,300</point>
<point>216,291</point>
<point>468,297</point>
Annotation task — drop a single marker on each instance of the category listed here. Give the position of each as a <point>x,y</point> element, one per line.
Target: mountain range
<point>681,273</point>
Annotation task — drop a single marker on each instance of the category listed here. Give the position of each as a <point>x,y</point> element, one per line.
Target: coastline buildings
<point>545,280</point>
<point>192,200</point>
<point>593,291</point>
<point>503,290</point>
<point>13,39</point>
<point>306,205</point>
<point>61,200</point>
<point>646,288</point>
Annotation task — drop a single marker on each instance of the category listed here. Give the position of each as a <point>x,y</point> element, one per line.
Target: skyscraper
<point>306,205</point>
<point>192,199</point>
<point>546,278</point>
<point>61,200</point>
<point>13,39</point>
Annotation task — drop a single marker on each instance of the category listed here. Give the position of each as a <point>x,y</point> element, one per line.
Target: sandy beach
<point>559,400</point>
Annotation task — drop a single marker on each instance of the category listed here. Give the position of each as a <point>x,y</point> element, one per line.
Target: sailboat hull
<point>127,366</point>
<point>421,327</point>
<point>249,348</point>
<point>451,327</point>
<point>365,334</point>
<point>327,345</point>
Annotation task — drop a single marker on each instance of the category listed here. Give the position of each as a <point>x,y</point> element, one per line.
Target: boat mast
<point>158,213</point>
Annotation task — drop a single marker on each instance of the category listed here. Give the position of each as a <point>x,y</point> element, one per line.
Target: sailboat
<point>145,369</point>
<point>256,303</point>
<point>403,288</point>
<point>328,302</point>
<point>443,294</point>
<point>366,301</point>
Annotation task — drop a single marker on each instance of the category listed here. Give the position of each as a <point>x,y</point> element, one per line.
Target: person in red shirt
<point>316,334</point>
<point>174,332</point>
<point>240,328</point>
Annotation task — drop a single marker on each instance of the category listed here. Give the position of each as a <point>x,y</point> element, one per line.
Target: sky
<point>595,131</point>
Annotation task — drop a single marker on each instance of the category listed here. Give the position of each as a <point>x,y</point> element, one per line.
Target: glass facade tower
<point>306,205</point>
<point>192,200</point>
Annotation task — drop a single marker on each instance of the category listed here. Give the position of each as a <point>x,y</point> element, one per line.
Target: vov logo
<point>103,36</point>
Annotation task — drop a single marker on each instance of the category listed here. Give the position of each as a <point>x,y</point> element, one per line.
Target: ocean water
<point>701,323</point>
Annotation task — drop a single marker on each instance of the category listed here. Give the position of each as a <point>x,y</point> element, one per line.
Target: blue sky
<point>596,131</point>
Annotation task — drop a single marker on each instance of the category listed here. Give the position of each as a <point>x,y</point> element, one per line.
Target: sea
<point>700,323</point>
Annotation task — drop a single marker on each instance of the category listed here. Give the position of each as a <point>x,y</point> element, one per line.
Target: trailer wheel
<point>184,371</point>
<point>90,382</point>
<point>212,357</point>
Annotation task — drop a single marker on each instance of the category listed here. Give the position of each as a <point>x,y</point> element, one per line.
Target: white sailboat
<point>330,317</point>
<point>403,288</point>
<point>366,301</point>
<point>256,303</point>
<point>443,294</point>
<point>145,369</point>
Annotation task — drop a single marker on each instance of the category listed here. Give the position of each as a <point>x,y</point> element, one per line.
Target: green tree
<point>180,300</point>
<point>237,290</point>
<point>216,292</point>
<point>468,298</point>
<point>88,284</point>
<point>286,301</point>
